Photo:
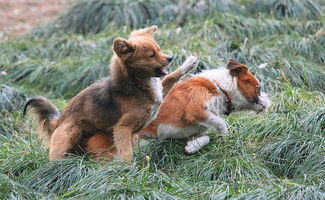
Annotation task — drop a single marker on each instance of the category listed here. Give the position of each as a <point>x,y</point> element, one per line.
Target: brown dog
<point>114,107</point>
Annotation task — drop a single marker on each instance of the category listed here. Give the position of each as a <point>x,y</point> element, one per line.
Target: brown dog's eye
<point>152,55</point>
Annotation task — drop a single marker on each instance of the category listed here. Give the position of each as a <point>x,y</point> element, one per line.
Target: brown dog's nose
<point>169,58</point>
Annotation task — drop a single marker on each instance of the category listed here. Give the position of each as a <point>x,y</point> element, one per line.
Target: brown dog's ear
<point>145,32</point>
<point>122,46</point>
<point>235,67</point>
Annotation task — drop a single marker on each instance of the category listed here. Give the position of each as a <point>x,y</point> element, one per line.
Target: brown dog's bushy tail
<point>46,115</point>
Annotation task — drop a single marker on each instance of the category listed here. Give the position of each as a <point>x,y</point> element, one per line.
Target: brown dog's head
<point>140,53</point>
<point>248,85</point>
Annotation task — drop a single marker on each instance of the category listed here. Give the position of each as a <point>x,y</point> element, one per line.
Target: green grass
<point>289,8</point>
<point>274,155</point>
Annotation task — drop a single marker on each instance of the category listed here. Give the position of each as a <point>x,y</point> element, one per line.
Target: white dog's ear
<point>235,67</point>
<point>145,32</point>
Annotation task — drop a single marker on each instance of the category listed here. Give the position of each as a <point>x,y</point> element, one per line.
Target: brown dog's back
<point>96,107</point>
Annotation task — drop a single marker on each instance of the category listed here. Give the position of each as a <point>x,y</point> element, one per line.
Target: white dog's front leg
<point>196,144</point>
<point>216,122</point>
<point>190,63</point>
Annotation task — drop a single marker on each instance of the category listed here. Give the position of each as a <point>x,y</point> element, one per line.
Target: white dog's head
<point>249,88</point>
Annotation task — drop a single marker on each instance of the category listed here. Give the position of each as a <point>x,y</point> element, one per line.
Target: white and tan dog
<point>196,104</point>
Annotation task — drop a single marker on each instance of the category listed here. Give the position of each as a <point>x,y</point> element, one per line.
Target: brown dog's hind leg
<point>101,146</point>
<point>64,140</point>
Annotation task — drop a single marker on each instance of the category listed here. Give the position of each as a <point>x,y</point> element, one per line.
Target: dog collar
<point>230,107</point>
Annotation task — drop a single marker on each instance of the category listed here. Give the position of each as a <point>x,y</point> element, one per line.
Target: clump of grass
<point>11,99</point>
<point>310,47</point>
<point>166,155</point>
<point>311,171</point>
<point>303,192</point>
<point>288,8</point>
<point>314,121</point>
<point>242,27</point>
<point>94,16</point>
<point>123,181</point>
<point>57,176</point>
<point>77,60</point>
<point>259,128</point>
<point>287,152</point>
<point>295,71</point>
<point>296,99</point>
<point>143,182</point>
<point>65,79</point>
<point>11,189</point>
<point>267,192</point>
<point>11,123</point>
<point>20,154</point>
<point>291,192</point>
<point>98,15</point>
<point>225,161</point>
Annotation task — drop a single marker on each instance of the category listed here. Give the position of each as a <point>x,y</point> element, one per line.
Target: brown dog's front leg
<point>123,142</point>
<point>169,80</point>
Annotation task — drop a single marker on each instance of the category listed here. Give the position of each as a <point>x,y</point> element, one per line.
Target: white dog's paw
<point>190,63</point>
<point>224,131</point>
<point>195,145</point>
<point>192,147</point>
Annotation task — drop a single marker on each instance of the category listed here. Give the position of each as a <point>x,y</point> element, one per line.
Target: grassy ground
<point>276,155</point>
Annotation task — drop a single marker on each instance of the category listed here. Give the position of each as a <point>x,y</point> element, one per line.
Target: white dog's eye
<point>152,55</point>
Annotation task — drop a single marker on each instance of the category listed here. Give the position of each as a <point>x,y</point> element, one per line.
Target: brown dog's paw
<point>125,155</point>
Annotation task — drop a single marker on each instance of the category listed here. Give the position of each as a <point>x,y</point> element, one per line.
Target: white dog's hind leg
<point>193,146</point>
<point>216,122</point>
